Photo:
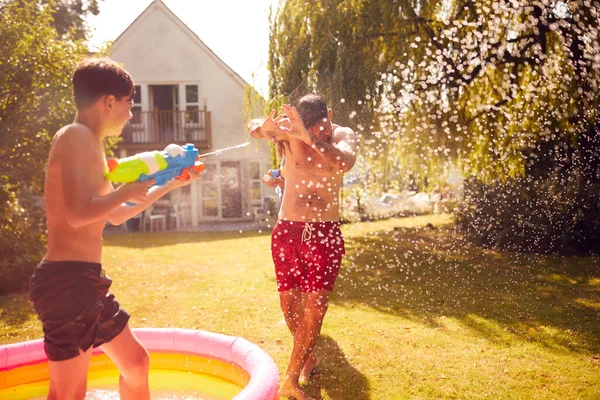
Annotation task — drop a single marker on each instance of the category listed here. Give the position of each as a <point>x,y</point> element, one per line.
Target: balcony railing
<point>171,126</point>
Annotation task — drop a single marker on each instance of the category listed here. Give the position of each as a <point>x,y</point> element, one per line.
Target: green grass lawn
<point>417,312</point>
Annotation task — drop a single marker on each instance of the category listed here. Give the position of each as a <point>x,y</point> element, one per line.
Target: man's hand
<point>268,128</point>
<point>271,181</point>
<point>293,125</point>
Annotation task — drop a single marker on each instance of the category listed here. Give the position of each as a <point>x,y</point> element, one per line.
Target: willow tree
<point>323,48</point>
<point>504,90</point>
<point>485,82</point>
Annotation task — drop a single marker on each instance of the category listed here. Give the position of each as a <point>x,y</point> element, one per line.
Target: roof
<point>159,3</point>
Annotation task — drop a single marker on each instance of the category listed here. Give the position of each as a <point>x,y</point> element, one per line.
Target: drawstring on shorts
<point>307,232</point>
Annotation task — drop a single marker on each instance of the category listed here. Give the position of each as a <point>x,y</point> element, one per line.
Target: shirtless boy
<point>306,244</point>
<point>68,289</point>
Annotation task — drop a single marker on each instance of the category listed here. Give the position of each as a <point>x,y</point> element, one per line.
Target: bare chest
<point>304,160</point>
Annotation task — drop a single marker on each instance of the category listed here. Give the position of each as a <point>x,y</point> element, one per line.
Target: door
<point>164,101</point>
<point>231,190</point>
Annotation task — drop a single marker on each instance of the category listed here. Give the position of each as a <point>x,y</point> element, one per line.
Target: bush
<point>35,101</point>
<point>553,215</point>
<point>22,234</point>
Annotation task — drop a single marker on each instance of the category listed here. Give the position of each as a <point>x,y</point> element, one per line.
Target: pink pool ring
<point>232,359</point>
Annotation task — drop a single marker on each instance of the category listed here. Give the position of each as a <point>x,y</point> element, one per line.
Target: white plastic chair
<point>177,214</point>
<point>149,217</point>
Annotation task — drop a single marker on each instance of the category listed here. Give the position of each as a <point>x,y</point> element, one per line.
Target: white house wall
<point>159,49</point>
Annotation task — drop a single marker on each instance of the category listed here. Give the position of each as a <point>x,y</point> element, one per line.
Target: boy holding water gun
<point>68,289</point>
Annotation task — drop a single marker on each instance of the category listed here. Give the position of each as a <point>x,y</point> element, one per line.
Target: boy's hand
<point>177,183</point>
<point>136,192</point>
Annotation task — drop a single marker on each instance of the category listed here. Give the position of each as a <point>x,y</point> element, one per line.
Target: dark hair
<point>95,77</point>
<point>312,109</point>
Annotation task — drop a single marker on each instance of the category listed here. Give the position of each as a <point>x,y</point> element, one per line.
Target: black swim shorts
<point>77,311</point>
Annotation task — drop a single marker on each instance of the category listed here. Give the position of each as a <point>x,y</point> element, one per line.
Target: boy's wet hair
<point>312,109</point>
<point>95,77</point>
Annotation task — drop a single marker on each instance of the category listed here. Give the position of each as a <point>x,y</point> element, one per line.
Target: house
<point>186,94</point>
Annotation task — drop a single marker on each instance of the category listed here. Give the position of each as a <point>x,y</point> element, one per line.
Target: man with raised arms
<point>307,245</point>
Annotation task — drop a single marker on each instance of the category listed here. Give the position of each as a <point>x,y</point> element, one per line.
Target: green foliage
<point>68,17</point>
<point>486,86</point>
<point>555,215</point>
<point>552,210</point>
<point>429,82</point>
<point>35,101</point>
<point>324,47</point>
<point>21,234</point>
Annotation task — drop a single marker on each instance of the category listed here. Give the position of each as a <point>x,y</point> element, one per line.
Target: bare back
<point>66,242</point>
<point>312,186</point>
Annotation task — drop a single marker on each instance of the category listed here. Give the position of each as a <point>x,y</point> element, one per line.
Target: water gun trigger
<point>185,173</point>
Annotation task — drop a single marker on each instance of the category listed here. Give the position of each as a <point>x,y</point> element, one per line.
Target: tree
<point>68,15</point>
<point>504,90</point>
<point>35,100</point>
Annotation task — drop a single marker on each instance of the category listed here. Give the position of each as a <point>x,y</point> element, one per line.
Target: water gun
<point>173,162</point>
<point>276,173</point>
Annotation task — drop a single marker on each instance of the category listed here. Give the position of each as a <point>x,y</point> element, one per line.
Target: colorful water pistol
<point>173,162</point>
<point>276,173</point>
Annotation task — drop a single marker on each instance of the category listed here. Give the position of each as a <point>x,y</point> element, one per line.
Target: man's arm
<point>82,206</point>
<point>267,128</point>
<point>340,153</point>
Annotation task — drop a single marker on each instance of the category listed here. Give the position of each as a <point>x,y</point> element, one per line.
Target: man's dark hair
<point>312,109</point>
<point>95,77</point>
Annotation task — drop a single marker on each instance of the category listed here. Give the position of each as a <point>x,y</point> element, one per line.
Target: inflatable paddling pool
<point>184,364</point>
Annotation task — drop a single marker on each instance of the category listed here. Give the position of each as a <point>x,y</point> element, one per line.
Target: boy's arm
<point>124,212</point>
<point>82,205</point>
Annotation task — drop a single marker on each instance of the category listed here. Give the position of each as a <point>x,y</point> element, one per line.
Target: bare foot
<point>290,390</point>
<point>309,371</point>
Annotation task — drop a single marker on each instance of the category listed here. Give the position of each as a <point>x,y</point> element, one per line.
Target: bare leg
<point>133,362</point>
<point>305,337</point>
<point>309,371</point>
<point>68,379</point>
<point>292,304</point>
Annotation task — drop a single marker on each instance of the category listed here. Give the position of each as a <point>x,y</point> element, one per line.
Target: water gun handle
<point>275,173</point>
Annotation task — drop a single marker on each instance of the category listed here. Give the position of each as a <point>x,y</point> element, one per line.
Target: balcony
<point>161,127</point>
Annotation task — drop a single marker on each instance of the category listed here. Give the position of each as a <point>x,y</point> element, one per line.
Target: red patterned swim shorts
<point>307,255</point>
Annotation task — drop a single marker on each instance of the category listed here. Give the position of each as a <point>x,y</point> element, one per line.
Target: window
<point>192,105</point>
<point>192,117</point>
<point>191,94</point>
<point>136,110</point>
